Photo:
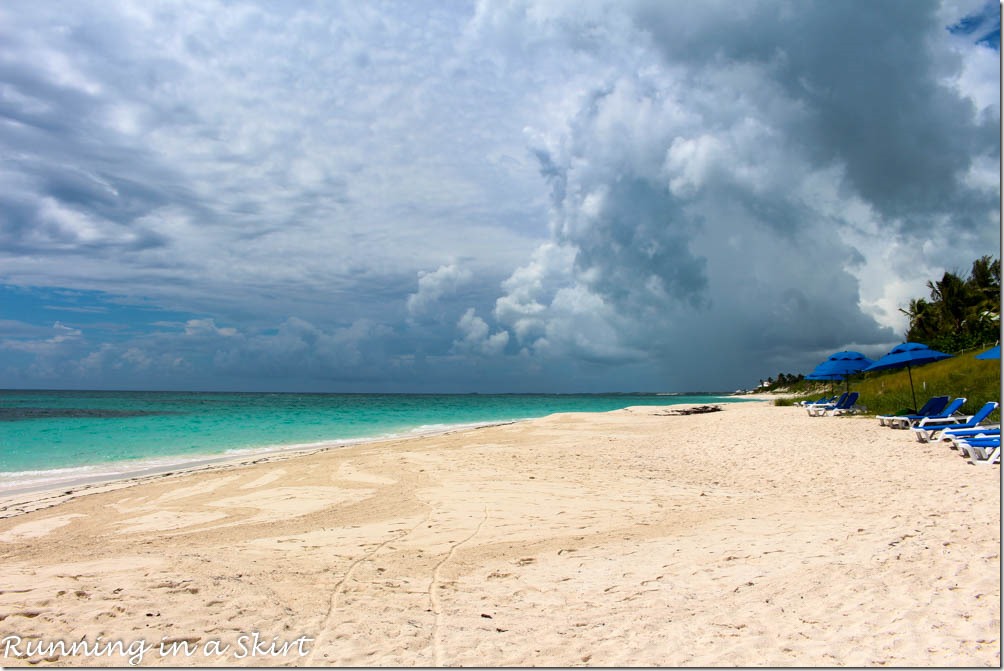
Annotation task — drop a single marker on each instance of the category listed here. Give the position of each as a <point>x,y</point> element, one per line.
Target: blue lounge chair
<point>818,409</point>
<point>960,439</point>
<point>933,406</point>
<point>851,406</point>
<point>968,446</point>
<point>926,429</point>
<point>951,411</point>
<point>820,401</point>
<point>986,455</point>
<point>845,404</point>
<point>985,430</point>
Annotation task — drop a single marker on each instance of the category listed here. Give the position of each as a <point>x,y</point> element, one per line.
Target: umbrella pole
<point>912,392</point>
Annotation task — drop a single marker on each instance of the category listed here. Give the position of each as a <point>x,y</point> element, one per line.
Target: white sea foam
<point>223,425</point>
<point>13,482</point>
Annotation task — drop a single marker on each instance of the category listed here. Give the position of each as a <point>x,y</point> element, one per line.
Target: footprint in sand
<point>30,614</point>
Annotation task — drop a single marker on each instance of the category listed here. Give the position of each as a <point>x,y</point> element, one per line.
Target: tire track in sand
<point>338,588</point>
<point>437,646</point>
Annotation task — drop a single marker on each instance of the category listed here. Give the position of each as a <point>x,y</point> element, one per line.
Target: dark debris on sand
<point>697,410</point>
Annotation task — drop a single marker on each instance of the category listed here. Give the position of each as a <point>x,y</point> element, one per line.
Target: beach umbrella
<point>846,363</point>
<point>840,366</point>
<point>829,377</point>
<point>908,354</point>
<point>823,375</point>
<point>992,353</point>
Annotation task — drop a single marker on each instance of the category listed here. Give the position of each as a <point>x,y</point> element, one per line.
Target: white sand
<point>752,536</point>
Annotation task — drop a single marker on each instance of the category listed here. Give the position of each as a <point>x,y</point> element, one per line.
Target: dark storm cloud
<point>871,86</point>
<point>726,189</point>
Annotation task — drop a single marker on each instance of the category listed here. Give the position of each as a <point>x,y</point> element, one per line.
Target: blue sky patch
<point>986,24</point>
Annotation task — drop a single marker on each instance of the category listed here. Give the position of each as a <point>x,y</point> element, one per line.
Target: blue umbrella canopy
<point>840,366</point>
<point>908,354</point>
<point>816,375</point>
<point>844,363</point>
<point>992,353</point>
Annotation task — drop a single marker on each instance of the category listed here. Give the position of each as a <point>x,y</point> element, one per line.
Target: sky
<point>497,196</point>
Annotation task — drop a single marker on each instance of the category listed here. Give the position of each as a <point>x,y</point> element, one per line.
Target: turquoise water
<point>51,436</point>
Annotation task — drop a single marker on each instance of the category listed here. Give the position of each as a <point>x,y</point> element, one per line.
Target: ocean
<point>48,438</point>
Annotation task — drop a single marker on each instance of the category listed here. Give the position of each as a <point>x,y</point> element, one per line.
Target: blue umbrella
<point>846,363</point>
<point>822,375</point>
<point>840,366</point>
<point>830,377</point>
<point>908,354</point>
<point>992,353</point>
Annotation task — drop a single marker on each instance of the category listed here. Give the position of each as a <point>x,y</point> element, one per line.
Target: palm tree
<point>961,313</point>
<point>923,320</point>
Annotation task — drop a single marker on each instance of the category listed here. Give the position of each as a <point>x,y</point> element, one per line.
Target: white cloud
<point>476,338</point>
<point>530,290</point>
<point>64,333</point>
<point>207,327</point>
<point>433,286</point>
<point>38,340</point>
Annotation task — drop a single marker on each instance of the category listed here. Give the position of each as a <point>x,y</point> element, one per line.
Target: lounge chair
<point>846,404</point>
<point>851,406</point>
<point>818,409</point>
<point>986,456</point>
<point>968,445</point>
<point>975,432</point>
<point>934,406</point>
<point>926,429</point>
<point>820,401</point>
<point>962,443</point>
<point>987,441</point>
<point>950,412</point>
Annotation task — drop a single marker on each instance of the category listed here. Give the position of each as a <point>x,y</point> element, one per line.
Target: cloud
<point>207,327</point>
<point>531,289</point>
<point>514,195</point>
<point>475,336</point>
<point>299,349</point>
<point>45,341</point>
<point>433,286</point>
<point>152,146</point>
<point>705,199</point>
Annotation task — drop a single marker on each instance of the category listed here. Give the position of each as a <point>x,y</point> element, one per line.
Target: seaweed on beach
<point>697,410</point>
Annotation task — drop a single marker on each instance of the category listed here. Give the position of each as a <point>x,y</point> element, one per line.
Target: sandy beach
<point>752,536</point>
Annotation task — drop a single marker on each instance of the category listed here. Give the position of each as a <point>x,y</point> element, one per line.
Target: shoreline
<point>42,476</point>
<point>78,479</point>
<point>752,536</point>
<point>16,501</point>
